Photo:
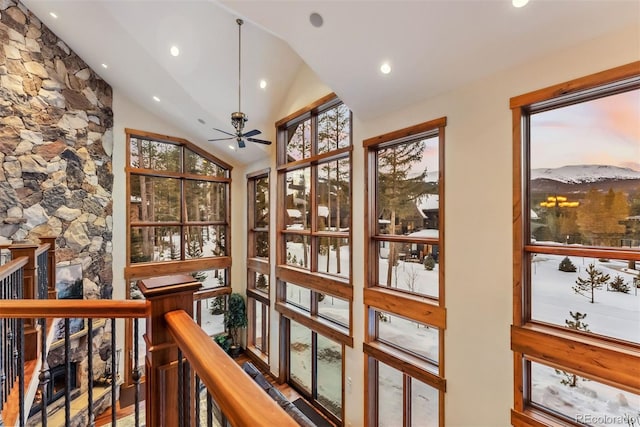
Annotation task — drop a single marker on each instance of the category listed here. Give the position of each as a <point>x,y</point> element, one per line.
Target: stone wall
<point>56,141</point>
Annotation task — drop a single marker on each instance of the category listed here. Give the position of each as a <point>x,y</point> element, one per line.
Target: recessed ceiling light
<point>155,98</point>
<point>201,121</point>
<point>53,15</point>
<point>105,66</point>
<point>316,19</point>
<point>519,3</point>
<point>263,84</point>
<point>231,147</point>
<point>175,51</point>
<point>385,68</point>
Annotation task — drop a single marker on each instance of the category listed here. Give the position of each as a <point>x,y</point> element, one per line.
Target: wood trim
<point>139,271</point>
<point>611,364</point>
<point>531,418</point>
<point>518,255</point>
<point>259,296</point>
<point>601,78</point>
<point>207,293</point>
<point>95,309</point>
<point>407,305</point>
<point>316,281</point>
<point>259,265</point>
<point>241,400</point>
<point>314,323</point>
<point>306,109</point>
<point>405,132</point>
<point>155,173</point>
<point>412,366</point>
<point>316,159</point>
<point>259,173</point>
<point>587,252</point>
<point>400,238</point>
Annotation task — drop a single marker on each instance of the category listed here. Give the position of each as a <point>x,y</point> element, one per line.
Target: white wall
<point>478,223</point>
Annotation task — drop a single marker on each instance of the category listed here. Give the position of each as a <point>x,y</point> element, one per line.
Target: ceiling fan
<point>238,118</point>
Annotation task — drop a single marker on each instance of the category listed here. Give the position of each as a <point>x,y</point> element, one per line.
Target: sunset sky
<point>601,132</point>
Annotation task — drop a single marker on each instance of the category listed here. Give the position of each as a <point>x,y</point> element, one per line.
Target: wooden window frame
<point>317,282</point>
<point>255,265</point>
<point>610,361</point>
<point>421,308</point>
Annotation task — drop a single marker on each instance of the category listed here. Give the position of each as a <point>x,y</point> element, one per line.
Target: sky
<point>605,131</point>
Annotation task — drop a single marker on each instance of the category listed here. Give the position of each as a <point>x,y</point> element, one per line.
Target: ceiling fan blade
<point>259,141</point>
<point>221,139</point>
<point>224,131</point>
<point>251,133</point>
<point>241,143</point>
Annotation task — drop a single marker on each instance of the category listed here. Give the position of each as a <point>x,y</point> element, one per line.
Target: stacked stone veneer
<point>55,148</point>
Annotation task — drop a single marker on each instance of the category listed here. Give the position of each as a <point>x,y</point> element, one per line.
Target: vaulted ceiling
<point>432,46</point>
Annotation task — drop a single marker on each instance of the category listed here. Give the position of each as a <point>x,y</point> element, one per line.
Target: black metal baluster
<point>209,410</point>
<point>91,418</point>
<point>187,388</point>
<point>67,371</point>
<point>3,345</point>
<point>180,390</point>
<point>196,394</point>
<point>136,372</point>
<point>44,376</point>
<point>21,370</point>
<point>113,372</point>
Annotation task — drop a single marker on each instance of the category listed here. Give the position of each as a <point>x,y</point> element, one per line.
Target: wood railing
<point>180,356</point>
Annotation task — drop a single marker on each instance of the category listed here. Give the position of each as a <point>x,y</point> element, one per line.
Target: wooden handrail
<point>240,399</point>
<point>73,308</point>
<point>42,248</point>
<point>12,266</point>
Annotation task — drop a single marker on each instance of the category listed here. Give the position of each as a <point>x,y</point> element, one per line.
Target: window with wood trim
<point>258,266</point>
<point>576,332</point>
<point>404,295</point>
<point>314,216</point>
<point>178,209</point>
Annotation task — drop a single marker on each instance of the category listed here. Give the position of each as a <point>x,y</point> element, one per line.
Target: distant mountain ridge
<point>578,174</point>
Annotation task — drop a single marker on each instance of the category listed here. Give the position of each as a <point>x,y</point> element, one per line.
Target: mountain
<point>580,174</point>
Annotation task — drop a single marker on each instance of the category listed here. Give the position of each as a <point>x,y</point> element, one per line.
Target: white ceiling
<point>433,46</point>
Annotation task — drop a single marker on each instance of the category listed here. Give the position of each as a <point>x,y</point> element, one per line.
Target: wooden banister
<point>73,308</point>
<point>240,399</point>
<point>13,266</point>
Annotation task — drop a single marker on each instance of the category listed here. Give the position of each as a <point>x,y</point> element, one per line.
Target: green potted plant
<point>235,318</point>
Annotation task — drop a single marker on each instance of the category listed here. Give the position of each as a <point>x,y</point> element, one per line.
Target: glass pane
<point>205,241</point>
<point>587,294</point>
<point>298,189</point>
<point>424,405</point>
<point>300,355</point>
<point>334,129</point>
<point>390,396</point>
<point>154,199</point>
<point>261,324</point>
<point>205,201</point>
<point>411,267</point>
<point>333,256</point>
<point>333,196</point>
<point>211,278</point>
<point>261,213</point>
<point>583,401</point>
<point>261,248</point>
<point>329,376</point>
<point>261,282</point>
<point>154,244</point>
<point>408,335</point>
<point>298,250</point>
<point>198,165</point>
<point>213,309</point>
<point>299,141</point>
<point>408,186</point>
<point>334,309</point>
<point>159,156</point>
<point>298,296</point>
<point>584,173</point>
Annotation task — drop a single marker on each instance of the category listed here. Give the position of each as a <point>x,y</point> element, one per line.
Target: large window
<point>314,289</point>
<point>576,333</point>
<point>258,266</point>
<point>404,296</point>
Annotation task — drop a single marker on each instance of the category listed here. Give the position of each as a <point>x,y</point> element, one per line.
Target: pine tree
<point>429,262</point>
<point>566,265</point>
<point>618,285</point>
<point>261,282</point>
<point>570,379</point>
<point>595,281</point>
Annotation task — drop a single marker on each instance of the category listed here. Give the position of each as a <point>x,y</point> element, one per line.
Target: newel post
<point>165,294</point>
<point>29,291</point>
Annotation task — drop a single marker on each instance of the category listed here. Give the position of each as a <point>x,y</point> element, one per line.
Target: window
<point>576,333</point>
<point>313,253</point>
<point>258,266</point>
<point>404,295</point>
